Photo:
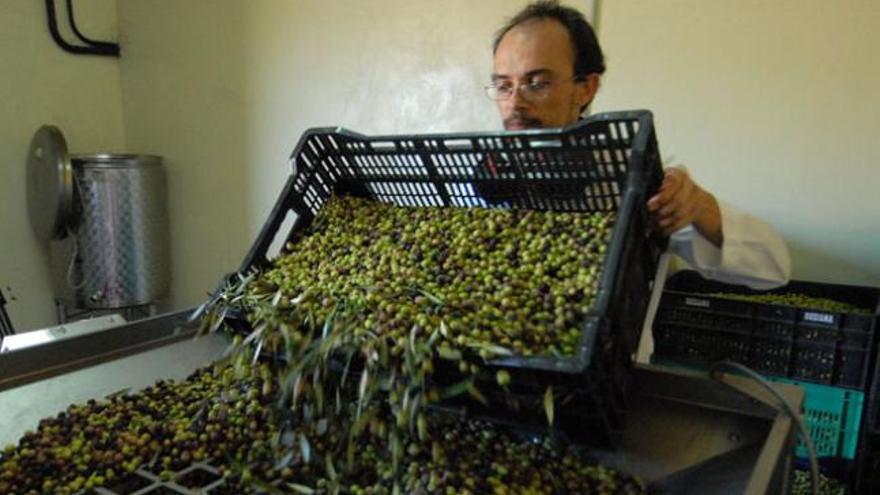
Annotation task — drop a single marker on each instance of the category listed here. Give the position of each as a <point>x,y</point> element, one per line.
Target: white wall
<point>769,104</point>
<point>386,66</point>
<point>41,84</point>
<point>184,79</point>
<point>224,89</point>
<point>772,105</point>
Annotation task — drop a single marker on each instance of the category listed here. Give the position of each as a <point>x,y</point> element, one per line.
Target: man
<point>547,69</point>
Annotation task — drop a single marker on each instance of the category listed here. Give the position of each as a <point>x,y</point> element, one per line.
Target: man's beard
<point>522,121</point>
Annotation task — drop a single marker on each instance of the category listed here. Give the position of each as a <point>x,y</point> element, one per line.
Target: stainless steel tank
<point>115,253</point>
<point>105,218</point>
<point>122,230</point>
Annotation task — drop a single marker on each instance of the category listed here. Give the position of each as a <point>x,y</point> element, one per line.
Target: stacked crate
<point>829,353</point>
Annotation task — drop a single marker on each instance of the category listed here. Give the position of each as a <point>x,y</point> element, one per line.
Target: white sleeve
<point>752,252</point>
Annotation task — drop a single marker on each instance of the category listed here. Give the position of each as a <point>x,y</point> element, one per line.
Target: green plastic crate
<point>833,415</point>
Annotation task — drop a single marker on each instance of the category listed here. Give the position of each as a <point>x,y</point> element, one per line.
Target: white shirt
<point>752,252</point>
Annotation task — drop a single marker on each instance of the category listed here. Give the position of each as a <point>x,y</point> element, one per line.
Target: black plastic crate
<point>772,328</point>
<point>5,323</point>
<point>872,413</point>
<point>812,362</point>
<point>852,364</point>
<point>825,347</point>
<point>607,163</point>
<point>769,354</point>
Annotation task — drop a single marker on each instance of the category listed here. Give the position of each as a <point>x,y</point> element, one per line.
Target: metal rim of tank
<point>114,160</point>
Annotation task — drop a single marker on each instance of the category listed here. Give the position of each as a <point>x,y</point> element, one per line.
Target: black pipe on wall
<point>90,48</point>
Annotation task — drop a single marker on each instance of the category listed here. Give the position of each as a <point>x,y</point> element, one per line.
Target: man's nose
<point>517,97</point>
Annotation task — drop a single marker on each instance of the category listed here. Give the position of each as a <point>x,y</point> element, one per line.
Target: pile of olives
<point>798,301</point>
<point>471,457</point>
<point>223,420</point>
<point>396,290</point>
<point>802,484</point>
<point>217,415</point>
<point>519,279</point>
<point>353,316</point>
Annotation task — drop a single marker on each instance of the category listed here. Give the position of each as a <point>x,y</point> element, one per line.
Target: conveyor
<point>686,433</point>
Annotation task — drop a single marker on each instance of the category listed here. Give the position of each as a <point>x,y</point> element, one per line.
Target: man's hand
<point>681,202</point>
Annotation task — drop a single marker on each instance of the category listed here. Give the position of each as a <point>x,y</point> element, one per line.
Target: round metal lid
<point>49,183</point>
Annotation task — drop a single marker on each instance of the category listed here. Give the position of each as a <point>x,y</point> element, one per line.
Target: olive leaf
<point>322,425</point>
<point>305,448</point>
<point>331,469</point>
<point>303,489</point>
<point>476,394</point>
<point>285,461</point>
<point>447,352</point>
<point>434,299</point>
<point>362,391</point>
<point>457,389</point>
<point>492,349</point>
<point>266,487</point>
<point>548,405</point>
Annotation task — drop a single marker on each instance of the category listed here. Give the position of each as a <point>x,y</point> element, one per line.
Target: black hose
<point>112,48</point>
<point>98,48</point>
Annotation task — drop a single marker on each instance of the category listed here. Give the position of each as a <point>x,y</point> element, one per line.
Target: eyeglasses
<point>535,90</point>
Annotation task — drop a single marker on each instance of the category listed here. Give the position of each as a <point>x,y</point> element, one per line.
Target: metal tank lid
<point>49,183</point>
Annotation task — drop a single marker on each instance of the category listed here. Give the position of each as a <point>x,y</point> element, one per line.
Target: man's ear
<point>587,89</point>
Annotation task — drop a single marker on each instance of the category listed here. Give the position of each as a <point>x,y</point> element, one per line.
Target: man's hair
<point>588,58</point>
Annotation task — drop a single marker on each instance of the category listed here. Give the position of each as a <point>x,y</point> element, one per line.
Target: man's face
<point>539,52</point>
